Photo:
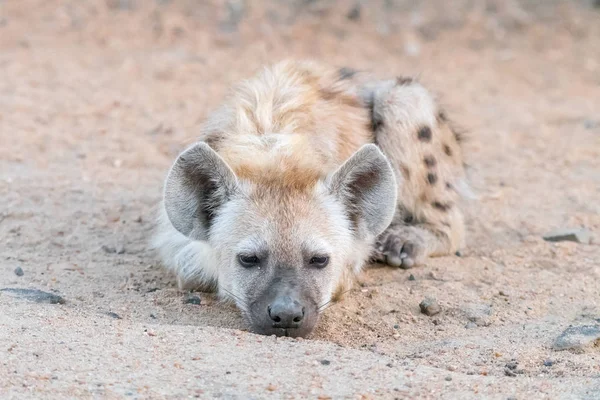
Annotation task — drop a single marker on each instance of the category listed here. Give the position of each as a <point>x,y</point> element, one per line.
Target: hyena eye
<point>319,261</point>
<point>248,261</point>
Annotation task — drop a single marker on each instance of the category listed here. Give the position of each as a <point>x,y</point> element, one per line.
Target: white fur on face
<point>324,230</point>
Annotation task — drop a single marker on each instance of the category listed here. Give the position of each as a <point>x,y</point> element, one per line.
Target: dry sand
<point>97,98</point>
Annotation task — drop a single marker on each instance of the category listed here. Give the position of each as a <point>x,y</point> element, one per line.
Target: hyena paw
<point>401,246</point>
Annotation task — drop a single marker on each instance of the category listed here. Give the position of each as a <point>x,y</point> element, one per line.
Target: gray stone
<point>19,271</point>
<point>34,295</point>
<point>429,307</point>
<point>578,337</point>
<point>578,235</point>
<point>470,325</point>
<point>479,314</point>
<point>191,299</point>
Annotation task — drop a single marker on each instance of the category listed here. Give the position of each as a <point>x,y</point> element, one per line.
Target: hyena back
<point>303,175</point>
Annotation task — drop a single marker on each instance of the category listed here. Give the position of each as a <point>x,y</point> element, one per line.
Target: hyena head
<point>284,245</point>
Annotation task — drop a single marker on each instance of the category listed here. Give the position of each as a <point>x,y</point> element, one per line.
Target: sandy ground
<point>98,97</point>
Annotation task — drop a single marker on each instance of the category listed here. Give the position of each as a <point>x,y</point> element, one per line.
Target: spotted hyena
<point>304,175</point>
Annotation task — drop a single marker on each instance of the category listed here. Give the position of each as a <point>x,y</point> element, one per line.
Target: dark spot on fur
<point>429,161</point>
<point>405,172</point>
<point>403,80</point>
<point>442,117</point>
<point>458,135</point>
<point>408,217</point>
<point>376,120</point>
<point>447,150</point>
<point>424,134</point>
<point>346,73</point>
<point>441,206</point>
<point>431,178</point>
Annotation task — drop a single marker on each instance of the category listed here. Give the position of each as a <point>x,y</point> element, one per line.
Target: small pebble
<point>19,271</point>
<point>325,362</point>
<point>580,235</point>
<point>113,315</point>
<point>109,249</point>
<point>471,325</point>
<point>578,337</point>
<point>354,13</point>
<point>192,299</point>
<point>548,363</point>
<point>411,277</point>
<point>448,378</point>
<point>429,307</point>
<point>35,295</point>
<point>458,254</point>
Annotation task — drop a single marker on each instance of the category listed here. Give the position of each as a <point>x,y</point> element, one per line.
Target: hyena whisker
<point>236,297</point>
<point>331,302</point>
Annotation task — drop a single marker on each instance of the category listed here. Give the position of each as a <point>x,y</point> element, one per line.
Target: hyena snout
<point>286,313</point>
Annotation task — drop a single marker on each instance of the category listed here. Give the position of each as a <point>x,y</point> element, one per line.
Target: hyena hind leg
<point>426,155</point>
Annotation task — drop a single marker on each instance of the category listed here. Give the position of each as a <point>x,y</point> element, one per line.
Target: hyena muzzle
<point>304,175</point>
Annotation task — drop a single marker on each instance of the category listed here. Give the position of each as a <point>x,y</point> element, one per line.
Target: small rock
<point>510,369</point>
<point>19,271</point>
<point>458,254</point>
<point>470,325</point>
<point>354,13</point>
<point>271,388</point>
<point>578,235</point>
<point>512,365</point>
<point>411,277</point>
<point>548,363</point>
<point>120,249</point>
<point>113,315</point>
<point>396,326</point>
<point>35,295</point>
<point>479,314</point>
<point>448,378</point>
<point>429,307</point>
<point>578,337</point>
<point>325,362</point>
<point>192,299</point>
<point>109,249</point>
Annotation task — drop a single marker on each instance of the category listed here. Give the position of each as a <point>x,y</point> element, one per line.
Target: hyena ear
<point>199,182</point>
<point>366,185</point>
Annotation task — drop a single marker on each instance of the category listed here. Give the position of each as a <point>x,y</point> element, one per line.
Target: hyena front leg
<point>427,157</point>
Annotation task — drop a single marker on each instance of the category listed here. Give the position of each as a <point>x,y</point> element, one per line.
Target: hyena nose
<point>286,313</point>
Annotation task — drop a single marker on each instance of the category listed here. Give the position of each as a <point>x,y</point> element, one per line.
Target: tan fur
<point>321,116</point>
